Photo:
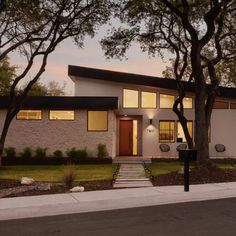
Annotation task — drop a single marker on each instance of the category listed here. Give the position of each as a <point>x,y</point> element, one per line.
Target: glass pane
<point>97,121</point>
<point>130,98</point>
<point>166,101</point>
<point>167,131</point>
<point>180,132</point>
<point>135,136</point>
<point>149,100</point>
<point>29,115</point>
<point>187,103</point>
<point>62,115</point>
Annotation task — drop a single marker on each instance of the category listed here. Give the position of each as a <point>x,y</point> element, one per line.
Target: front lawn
<point>161,168</point>
<point>55,173</point>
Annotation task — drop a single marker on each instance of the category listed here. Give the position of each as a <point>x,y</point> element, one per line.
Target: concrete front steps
<point>131,176</point>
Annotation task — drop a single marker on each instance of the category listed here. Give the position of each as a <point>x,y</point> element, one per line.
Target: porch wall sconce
<point>150,121</point>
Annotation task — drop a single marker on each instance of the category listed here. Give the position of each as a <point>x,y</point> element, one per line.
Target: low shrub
<point>26,152</point>
<point>74,153</point>
<point>58,154</point>
<point>69,175</point>
<point>10,152</point>
<point>82,153</point>
<point>102,150</point>
<point>71,153</point>
<point>40,152</point>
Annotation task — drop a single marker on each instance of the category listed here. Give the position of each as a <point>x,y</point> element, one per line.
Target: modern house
<point>132,114</point>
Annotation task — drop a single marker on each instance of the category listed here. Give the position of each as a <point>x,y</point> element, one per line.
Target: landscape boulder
<point>27,181</point>
<point>77,189</point>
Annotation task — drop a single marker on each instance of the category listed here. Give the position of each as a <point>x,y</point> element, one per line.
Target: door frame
<point>139,119</point>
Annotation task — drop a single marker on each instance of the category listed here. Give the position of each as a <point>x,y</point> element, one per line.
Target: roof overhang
<point>64,103</point>
<point>106,75</point>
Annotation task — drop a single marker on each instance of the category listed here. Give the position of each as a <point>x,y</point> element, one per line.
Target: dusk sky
<point>93,56</point>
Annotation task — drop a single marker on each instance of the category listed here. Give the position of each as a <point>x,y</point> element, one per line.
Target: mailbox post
<point>186,156</point>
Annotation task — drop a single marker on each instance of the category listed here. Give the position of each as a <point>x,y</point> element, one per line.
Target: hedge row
<point>53,160</point>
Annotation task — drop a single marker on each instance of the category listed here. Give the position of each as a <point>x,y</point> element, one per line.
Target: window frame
<point>106,122</point>
<point>141,98</point>
<point>41,114</point>
<point>174,135</point>
<point>61,119</point>
<point>137,90</point>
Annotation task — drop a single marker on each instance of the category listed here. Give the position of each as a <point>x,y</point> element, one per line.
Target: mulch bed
<point>55,188</point>
<point>196,176</point>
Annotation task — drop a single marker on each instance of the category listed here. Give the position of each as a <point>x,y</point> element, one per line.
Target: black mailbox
<point>188,155</point>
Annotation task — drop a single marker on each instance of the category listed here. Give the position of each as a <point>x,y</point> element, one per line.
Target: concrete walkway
<point>57,204</point>
<point>131,176</point>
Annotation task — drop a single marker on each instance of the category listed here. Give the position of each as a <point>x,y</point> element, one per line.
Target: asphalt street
<point>215,217</point>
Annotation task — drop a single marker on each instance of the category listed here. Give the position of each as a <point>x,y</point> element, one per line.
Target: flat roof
<point>63,102</point>
<point>129,78</point>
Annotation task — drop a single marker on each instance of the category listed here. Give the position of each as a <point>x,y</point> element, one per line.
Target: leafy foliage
<point>27,152</point>
<point>102,150</point>
<point>7,74</point>
<point>10,152</point>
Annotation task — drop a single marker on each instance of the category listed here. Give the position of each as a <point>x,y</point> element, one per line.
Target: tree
<point>7,73</point>
<point>52,89</point>
<point>34,28</point>
<point>198,34</point>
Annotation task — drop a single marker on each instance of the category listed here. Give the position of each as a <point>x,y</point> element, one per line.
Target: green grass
<point>161,168</point>
<point>55,173</point>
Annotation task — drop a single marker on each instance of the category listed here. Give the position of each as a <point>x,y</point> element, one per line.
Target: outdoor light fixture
<point>150,121</point>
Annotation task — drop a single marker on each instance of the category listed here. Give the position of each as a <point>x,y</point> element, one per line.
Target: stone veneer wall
<point>59,135</point>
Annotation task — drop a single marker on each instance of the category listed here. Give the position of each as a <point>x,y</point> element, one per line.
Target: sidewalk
<point>56,204</point>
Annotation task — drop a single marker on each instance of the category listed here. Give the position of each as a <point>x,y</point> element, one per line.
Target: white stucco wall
<point>59,135</point>
<point>223,126</point>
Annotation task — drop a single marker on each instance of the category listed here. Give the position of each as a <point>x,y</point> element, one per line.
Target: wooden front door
<point>126,138</point>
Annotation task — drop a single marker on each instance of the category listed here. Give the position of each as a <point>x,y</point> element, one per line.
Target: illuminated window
<point>187,102</point>
<point>149,100</point>
<point>166,101</point>
<point>232,105</point>
<point>97,121</point>
<point>180,132</point>
<point>61,115</point>
<point>166,131</point>
<point>221,105</point>
<point>130,98</point>
<point>29,115</point>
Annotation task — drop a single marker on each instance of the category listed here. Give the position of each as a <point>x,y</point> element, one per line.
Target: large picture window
<point>130,98</point>
<point>166,131</point>
<point>149,100</point>
<point>167,101</point>
<point>180,131</point>
<point>97,120</point>
<point>29,115</point>
<point>61,115</point>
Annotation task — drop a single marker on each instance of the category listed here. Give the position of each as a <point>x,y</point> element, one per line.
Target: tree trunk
<point>201,127</point>
<point>201,124</point>
<point>9,117</point>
